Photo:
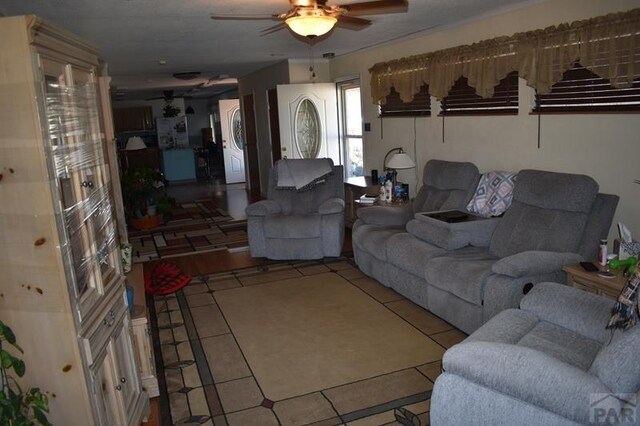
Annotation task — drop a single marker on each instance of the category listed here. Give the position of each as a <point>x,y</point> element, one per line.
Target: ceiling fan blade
<point>275,28</point>
<point>376,7</point>
<point>217,17</point>
<point>351,23</point>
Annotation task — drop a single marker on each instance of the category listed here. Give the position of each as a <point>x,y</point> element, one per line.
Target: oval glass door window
<point>236,130</point>
<point>307,130</point>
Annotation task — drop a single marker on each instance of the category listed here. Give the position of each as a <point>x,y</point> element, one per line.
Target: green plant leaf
<point>40,417</point>
<point>18,367</point>
<point>5,359</point>
<point>8,334</point>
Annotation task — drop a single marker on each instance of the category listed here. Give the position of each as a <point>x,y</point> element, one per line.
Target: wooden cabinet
<point>62,289</point>
<point>132,119</point>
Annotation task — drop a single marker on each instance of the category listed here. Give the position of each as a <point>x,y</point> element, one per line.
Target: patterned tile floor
<point>209,381</point>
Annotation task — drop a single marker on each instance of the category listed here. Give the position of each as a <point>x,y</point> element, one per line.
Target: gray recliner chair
<point>291,224</point>
<point>551,362</point>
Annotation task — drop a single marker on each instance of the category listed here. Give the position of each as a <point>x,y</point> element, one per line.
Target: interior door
<point>308,116</point>
<point>232,140</point>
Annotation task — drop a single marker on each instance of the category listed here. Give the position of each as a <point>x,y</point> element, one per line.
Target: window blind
<point>463,100</point>
<point>419,106</point>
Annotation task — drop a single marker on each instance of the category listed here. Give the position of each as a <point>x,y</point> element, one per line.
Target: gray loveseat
<point>468,273</point>
<point>551,362</point>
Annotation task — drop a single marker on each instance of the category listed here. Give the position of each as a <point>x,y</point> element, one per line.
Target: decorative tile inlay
<point>267,403</point>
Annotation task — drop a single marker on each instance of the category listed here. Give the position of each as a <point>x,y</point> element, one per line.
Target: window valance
<point>607,45</point>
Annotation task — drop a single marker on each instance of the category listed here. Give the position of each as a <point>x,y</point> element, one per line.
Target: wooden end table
<point>594,283</point>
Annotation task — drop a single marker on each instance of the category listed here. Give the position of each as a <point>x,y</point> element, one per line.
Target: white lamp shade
<point>311,25</point>
<point>400,160</point>
<point>135,143</point>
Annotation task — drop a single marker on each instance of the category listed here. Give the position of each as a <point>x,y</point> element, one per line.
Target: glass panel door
<point>78,161</point>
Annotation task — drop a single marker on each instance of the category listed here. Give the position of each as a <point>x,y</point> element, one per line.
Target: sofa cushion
<point>549,212</point>
<point>562,344</point>
<point>462,272</point>
<point>509,326</point>
<point>442,199</point>
<point>555,191</point>
<point>373,239</point>
<point>411,254</point>
<point>617,363</point>
<point>292,226</point>
<point>525,227</point>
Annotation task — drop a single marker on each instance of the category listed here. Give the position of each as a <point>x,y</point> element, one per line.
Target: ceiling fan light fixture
<point>313,25</point>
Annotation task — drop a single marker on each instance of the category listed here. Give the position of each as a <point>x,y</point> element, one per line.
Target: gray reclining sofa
<point>551,362</point>
<point>467,273</point>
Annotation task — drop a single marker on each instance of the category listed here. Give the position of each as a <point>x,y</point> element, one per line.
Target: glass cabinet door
<point>78,160</point>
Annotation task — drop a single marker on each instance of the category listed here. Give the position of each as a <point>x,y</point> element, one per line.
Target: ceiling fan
<point>313,18</point>
<point>167,96</point>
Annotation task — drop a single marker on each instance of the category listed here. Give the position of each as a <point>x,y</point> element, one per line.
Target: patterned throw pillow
<point>494,194</point>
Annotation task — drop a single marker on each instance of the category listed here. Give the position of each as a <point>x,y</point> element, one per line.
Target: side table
<point>594,283</point>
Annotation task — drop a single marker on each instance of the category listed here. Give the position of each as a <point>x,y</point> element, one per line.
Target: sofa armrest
<point>332,205</point>
<point>574,309</point>
<point>526,374</point>
<point>534,262</point>
<point>386,216</point>
<point>263,208</point>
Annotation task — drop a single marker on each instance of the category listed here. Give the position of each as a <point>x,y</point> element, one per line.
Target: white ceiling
<point>134,35</point>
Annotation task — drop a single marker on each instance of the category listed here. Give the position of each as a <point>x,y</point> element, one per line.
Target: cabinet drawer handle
<point>118,388</point>
<point>123,380</point>
<point>109,319</point>
<point>87,184</point>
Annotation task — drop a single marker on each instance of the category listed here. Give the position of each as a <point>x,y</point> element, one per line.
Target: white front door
<point>232,140</point>
<point>308,116</point>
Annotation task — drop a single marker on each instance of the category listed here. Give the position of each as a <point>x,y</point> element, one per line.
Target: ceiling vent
<point>186,75</point>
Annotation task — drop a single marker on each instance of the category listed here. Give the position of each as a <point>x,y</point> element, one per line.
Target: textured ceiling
<point>134,35</point>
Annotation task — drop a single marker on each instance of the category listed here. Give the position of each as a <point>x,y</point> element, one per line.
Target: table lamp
<point>399,160</point>
<point>135,143</point>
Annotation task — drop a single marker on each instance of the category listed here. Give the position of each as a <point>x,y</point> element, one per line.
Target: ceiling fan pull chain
<point>311,63</point>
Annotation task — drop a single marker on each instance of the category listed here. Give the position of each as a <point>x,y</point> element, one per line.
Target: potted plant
<point>18,407</point>
<point>141,187</point>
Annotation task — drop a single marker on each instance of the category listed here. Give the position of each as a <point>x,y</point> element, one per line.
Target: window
<point>580,90</point>
<point>308,131</point>
<point>395,107</point>
<point>351,127</point>
<point>463,100</point>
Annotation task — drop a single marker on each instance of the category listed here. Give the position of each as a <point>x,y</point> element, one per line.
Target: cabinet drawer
<point>97,334</point>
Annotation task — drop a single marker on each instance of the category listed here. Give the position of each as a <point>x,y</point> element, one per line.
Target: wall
<point>604,146</point>
<point>258,84</point>
<point>299,70</point>
<point>291,71</point>
<point>156,105</point>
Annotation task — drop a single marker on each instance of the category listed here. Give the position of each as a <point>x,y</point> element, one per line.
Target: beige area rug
<point>306,334</point>
<point>296,344</point>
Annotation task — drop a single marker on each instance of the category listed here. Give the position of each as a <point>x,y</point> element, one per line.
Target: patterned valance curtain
<point>607,45</point>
